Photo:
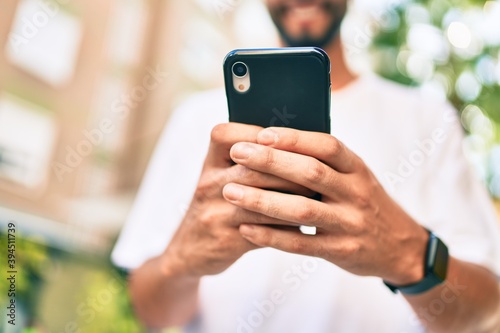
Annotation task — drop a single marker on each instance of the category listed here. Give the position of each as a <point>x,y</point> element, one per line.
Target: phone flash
<point>241,87</point>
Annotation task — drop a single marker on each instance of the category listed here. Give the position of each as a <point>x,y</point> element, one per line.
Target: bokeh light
<point>468,86</point>
<point>452,52</point>
<point>459,35</point>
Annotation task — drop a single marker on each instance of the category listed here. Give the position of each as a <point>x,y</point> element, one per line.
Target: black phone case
<point>290,87</point>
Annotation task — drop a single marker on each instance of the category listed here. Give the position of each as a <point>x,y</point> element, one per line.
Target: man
<point>200,239</point>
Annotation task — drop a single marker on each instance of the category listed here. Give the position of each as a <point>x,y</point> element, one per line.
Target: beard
<point>335,12</point>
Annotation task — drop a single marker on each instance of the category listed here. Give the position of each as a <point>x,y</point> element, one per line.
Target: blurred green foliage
<point>31,257</point>
<point>105,305</point>
<point>62,292</point>
<point>452,47</point>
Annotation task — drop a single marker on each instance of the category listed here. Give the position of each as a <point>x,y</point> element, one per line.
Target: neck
<point>340,75</point>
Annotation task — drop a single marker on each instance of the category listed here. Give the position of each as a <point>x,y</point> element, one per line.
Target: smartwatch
<point>435,268</point>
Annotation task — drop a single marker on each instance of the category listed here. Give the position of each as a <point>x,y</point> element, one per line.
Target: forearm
<point>160,297</point>
<point>469,301</point>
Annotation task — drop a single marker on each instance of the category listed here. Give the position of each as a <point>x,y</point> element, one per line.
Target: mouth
<point>306,12</point>
<point>307,22</point>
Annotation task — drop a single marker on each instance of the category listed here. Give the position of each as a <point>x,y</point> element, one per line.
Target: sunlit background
<point>86,88</point>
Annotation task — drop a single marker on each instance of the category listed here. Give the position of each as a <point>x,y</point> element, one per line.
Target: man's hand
<point>208,240</point>
<point>359,227</point>
<point>164,289</point>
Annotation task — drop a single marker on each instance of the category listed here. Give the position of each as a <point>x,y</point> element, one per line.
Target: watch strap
<point>435,268</point>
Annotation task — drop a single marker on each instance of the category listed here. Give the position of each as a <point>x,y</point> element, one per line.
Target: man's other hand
<point>359,227</point>
<point>208,240</point>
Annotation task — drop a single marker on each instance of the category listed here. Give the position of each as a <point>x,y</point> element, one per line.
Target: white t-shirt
<point>413,145</point>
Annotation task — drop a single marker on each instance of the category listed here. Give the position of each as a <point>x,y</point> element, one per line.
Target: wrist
<point>172,266</point>
<point>411,259</point>
<point>435,268</point>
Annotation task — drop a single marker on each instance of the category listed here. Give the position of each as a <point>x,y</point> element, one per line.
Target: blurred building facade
<point>86,88</point>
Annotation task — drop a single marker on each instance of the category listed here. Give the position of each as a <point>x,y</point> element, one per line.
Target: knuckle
<point>293,139</point>
<point>272,241</point>
<point>297,246</point>
<point>362,198</point>
<point>373,183</point>
<point>207,218</point>
<point>269,158</point>
<point>306,213</point>
<point>200,195</point>
<point>209,185</point>
<point>270,208</point>
<point>335,147</point>
<point>273,211</point>
<point>258,202</point>
<point>315,172</point>
<point>356,223</point>
<point>351,248</point>
<point>225,239</point>
<point>218,133</point>
<point>363,170</point>
<point>322,251</point>
<point>262,203</point>
<point>204,186</point>
<point>356,227</point>
<point>363,195</point>
<point>240,172</point>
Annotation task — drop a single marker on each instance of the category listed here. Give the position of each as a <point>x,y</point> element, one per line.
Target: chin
<point>307,23</point>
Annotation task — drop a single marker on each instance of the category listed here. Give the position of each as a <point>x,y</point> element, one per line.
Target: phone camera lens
<point>240,69</point>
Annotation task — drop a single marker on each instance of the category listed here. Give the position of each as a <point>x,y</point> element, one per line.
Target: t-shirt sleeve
<point>167,187</point>
<point>460,209</point>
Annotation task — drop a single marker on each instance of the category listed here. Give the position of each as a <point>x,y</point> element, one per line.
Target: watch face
<point>441,260</point>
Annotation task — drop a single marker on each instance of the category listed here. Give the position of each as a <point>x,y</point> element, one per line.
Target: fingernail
<point>267,137</point>
<point>233,192</point>
<point>247,229</point>
<point>242,151</point>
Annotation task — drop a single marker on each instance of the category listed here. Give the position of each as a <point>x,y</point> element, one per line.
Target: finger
<point>244,216</point>
<point>243,245</point>
<point>222,213</point>
<point>287,240</point>
<point>301,169</point>
<point>288,207</point>
<point>321,146</point>
<point>246,176</point>
<point>223,136</point>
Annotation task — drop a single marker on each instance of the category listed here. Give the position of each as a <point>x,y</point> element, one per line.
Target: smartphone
<point>287,87</point>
